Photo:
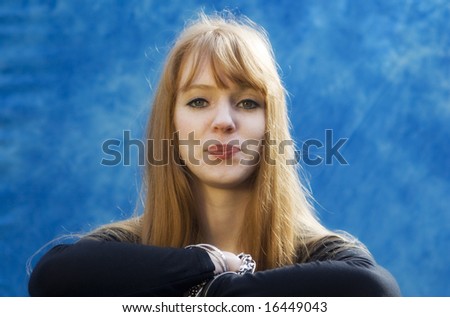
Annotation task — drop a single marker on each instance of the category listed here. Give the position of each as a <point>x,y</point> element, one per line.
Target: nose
<point>223,121</point>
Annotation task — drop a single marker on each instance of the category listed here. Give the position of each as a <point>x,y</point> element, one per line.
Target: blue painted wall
<point>75,73</point>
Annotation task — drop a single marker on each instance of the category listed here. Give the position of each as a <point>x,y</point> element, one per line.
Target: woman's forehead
<point>190,70</point>
<point>199,74</point>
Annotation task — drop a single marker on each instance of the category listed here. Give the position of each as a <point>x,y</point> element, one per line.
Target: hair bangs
<point>230,59</point>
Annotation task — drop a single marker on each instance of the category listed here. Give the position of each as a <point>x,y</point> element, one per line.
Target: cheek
<point>258,127</point>
<point>253,137</point>
<point>182,125</point>
<point>186,125</point>
<point>186,121</point>
<point>177,122</point>
<point>180,129</point>
<point>260,131</point>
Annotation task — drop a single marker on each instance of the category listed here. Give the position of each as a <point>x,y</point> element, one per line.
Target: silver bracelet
<point>248,264</point>
<point>213,251</point>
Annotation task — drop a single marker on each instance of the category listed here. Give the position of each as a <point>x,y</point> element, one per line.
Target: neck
<point>221,215</point>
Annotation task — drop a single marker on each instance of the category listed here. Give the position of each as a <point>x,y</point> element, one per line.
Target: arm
<point>108,268</point>
<point>351,273</point>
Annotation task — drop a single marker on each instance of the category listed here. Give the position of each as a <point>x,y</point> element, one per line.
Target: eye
<point>248,104</point>
<point>198,103</point>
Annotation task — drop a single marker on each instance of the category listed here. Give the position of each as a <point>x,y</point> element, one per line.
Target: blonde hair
<point>281,227</point>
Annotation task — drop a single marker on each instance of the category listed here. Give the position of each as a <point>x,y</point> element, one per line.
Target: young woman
<point>226,215</point>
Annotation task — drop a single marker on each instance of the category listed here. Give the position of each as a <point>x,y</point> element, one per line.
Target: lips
<point>222,151</point>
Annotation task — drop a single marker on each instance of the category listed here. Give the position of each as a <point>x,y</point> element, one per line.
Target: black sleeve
<point>108,268</point>
<point>350,273</point>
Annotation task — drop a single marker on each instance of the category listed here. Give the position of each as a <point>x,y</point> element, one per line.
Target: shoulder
<point>122,231</point>
<point>340,249</point>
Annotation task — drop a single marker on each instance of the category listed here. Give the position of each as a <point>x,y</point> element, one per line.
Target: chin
<point>224,177</point>
<point>228,182</point>
<point>226,185</point>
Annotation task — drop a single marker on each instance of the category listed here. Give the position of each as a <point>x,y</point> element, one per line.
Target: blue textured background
<point>75,73</point>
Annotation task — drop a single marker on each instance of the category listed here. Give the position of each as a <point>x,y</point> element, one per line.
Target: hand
<point>232,262</point>
<point>223,261</point>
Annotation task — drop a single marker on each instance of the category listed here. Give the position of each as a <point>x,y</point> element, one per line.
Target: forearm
<point>100,268</point>
<point>316,279</point>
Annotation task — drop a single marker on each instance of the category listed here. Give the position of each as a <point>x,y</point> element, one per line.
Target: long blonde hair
<point>280,224</point>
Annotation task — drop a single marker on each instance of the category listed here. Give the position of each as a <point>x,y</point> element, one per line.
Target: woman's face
<point>219,129</point>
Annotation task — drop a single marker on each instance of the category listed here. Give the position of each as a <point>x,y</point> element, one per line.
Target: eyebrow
<point>197,86</point>
<point>187,88</point>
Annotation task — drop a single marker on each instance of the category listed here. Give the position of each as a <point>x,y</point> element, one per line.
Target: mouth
<point>222,151</point>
